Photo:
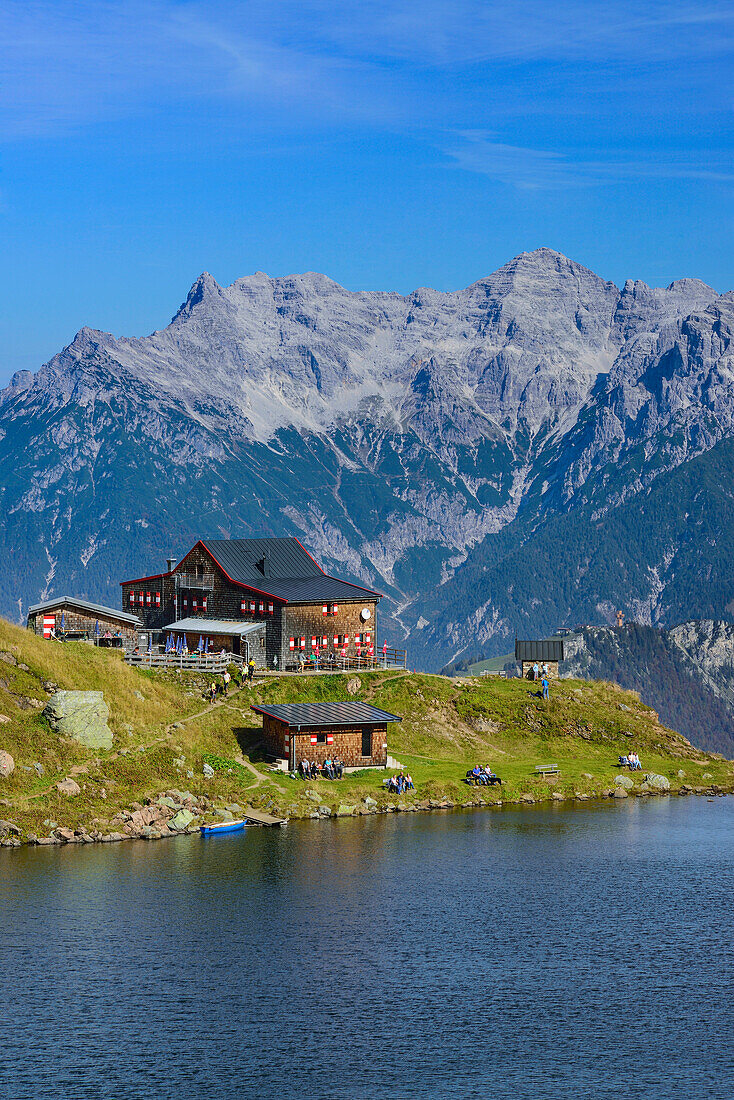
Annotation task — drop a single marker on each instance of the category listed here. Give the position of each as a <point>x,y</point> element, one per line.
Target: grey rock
<point>82,716</point>
<point>7,827</point>
<point>657,782</point>
<point>208,771</point>
<point>7,764</point>
<point>354,685</point>
<point>181,820</point>
<point>69,787</point>
<point>369,802</point>
<point>623,781</point>
<point>139,695</point>
<point>39,769</point>
<point>345,810</point>
<point>620,792</point>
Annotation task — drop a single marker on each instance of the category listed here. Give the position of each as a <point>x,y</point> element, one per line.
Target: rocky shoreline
<point>176,813</point>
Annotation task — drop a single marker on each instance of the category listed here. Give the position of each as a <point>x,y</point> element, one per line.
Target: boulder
<point>81,715</point>
<point>208,771</point>
<point>354,685</point>
<point>344,810</point>
<point>39,768</point>
<point>69,786</point>
<point>7,764</point>
<point>7,827</point>
<point>370,803</point>
<point>681,773</point>
<point>3,719</point>
<point>620,792</point>
<point>623,781</point>
<point>657,782</point>
<point>181,821</point>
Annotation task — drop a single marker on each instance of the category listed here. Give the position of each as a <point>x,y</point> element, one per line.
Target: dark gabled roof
<point>313,715</point>
<point>281,568</point>
<point>541,649</point>
<point>93,608</point>
<point>317,589</point>
<point>258,560</point>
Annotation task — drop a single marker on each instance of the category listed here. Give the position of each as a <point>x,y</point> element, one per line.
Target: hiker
<point>338,767</point>
<point>409,784</point>
<point>305,769</point>
<point>225,680</point>
<point>250,668</point>
<point>275,663</point>
<point>536,671</point>
<point>212,691</point>
<point>546,688</point>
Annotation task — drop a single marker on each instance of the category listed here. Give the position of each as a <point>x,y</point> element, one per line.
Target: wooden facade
<point>312,614</point>
<point>77,619</point>
<point>358,740</point>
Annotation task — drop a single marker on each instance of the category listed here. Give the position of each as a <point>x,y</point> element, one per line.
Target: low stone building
<point>75,619</point>
<point>543,652</point>
<point>355,732</point>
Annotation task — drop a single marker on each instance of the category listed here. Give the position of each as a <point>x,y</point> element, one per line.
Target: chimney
<point>264,565</point>
<point>170,562</point>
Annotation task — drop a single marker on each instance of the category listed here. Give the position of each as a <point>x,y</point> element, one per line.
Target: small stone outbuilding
<point>355,732</point>
<point>546,653</point>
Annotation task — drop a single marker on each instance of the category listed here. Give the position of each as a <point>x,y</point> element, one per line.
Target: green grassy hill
<point>164,731</point>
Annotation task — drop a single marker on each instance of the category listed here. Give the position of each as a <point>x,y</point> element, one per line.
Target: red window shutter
<point>252,606</point>
<point>346,639</point>
<point>147,598</point>
<point>368,638</point>
<point>261,607</point>
<point>243,605</point>
<point>335,609</point>
<point>203,604</point>
<point>271,609</point>
<point>292,643</point>
<point>313,643</point>
<point>194,604</point>
<point>330,739</point>
<point>324,610</point>
<point>314,739</point>
<point>303,643</point>
<point>140,598</point>
<point>158,599</point>
<point>324,641</point>
<point>131,596</point>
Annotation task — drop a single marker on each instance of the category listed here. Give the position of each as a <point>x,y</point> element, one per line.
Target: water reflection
<point>404,955</point>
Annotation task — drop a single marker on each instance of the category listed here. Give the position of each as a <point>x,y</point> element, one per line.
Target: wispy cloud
<point>72,62</point>
<point>541,169</point>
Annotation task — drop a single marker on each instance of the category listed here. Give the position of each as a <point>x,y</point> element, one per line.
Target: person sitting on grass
<point>477,773</point>
<point>409,784</point>
<point>316,770</point>
<point>327,769</point>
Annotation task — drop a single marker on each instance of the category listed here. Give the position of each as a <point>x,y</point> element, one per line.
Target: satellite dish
<point>365,614</point>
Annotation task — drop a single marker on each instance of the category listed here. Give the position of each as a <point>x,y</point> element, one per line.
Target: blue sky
<point>388,144</point>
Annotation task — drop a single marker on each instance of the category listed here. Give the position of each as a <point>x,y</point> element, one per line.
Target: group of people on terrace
<point>330,769</point>
<point>631,761</point>
<point>398,784</point>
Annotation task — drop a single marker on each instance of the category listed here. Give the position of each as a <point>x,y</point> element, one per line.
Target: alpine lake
<point>543,952</point>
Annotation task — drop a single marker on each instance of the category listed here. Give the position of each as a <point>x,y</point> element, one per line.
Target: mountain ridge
<point>410,440</point>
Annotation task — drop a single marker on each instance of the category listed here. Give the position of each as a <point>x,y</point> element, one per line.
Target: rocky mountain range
<point>540,448</point>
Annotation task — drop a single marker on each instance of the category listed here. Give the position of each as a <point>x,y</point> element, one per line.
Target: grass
<point>164,731</point>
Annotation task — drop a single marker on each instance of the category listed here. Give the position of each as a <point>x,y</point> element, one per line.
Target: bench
<point>481,781</point>
<point>547,769</point>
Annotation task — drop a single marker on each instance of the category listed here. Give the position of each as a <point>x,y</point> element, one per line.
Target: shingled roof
<point>283,568</point>
<point>310,715</point>
<point>539,649</point>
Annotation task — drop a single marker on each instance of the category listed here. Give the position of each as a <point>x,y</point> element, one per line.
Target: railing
<point>192,662</point>
<point>194,580</point>
<point>392,658</point>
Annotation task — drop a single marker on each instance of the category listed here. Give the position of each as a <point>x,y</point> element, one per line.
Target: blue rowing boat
<point>222,827</point>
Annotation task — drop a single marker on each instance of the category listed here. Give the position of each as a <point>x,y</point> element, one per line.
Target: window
<point>271,609</point>
<point>158,599</point>
<point>324,642</point>
<point>366,742</point>
<point>329,609</point>
<point>243,606</point>
<point>262,642</point>
<point>318,738</point>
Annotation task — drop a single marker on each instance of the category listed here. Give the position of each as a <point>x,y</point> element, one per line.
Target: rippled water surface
<point>539,953</point>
